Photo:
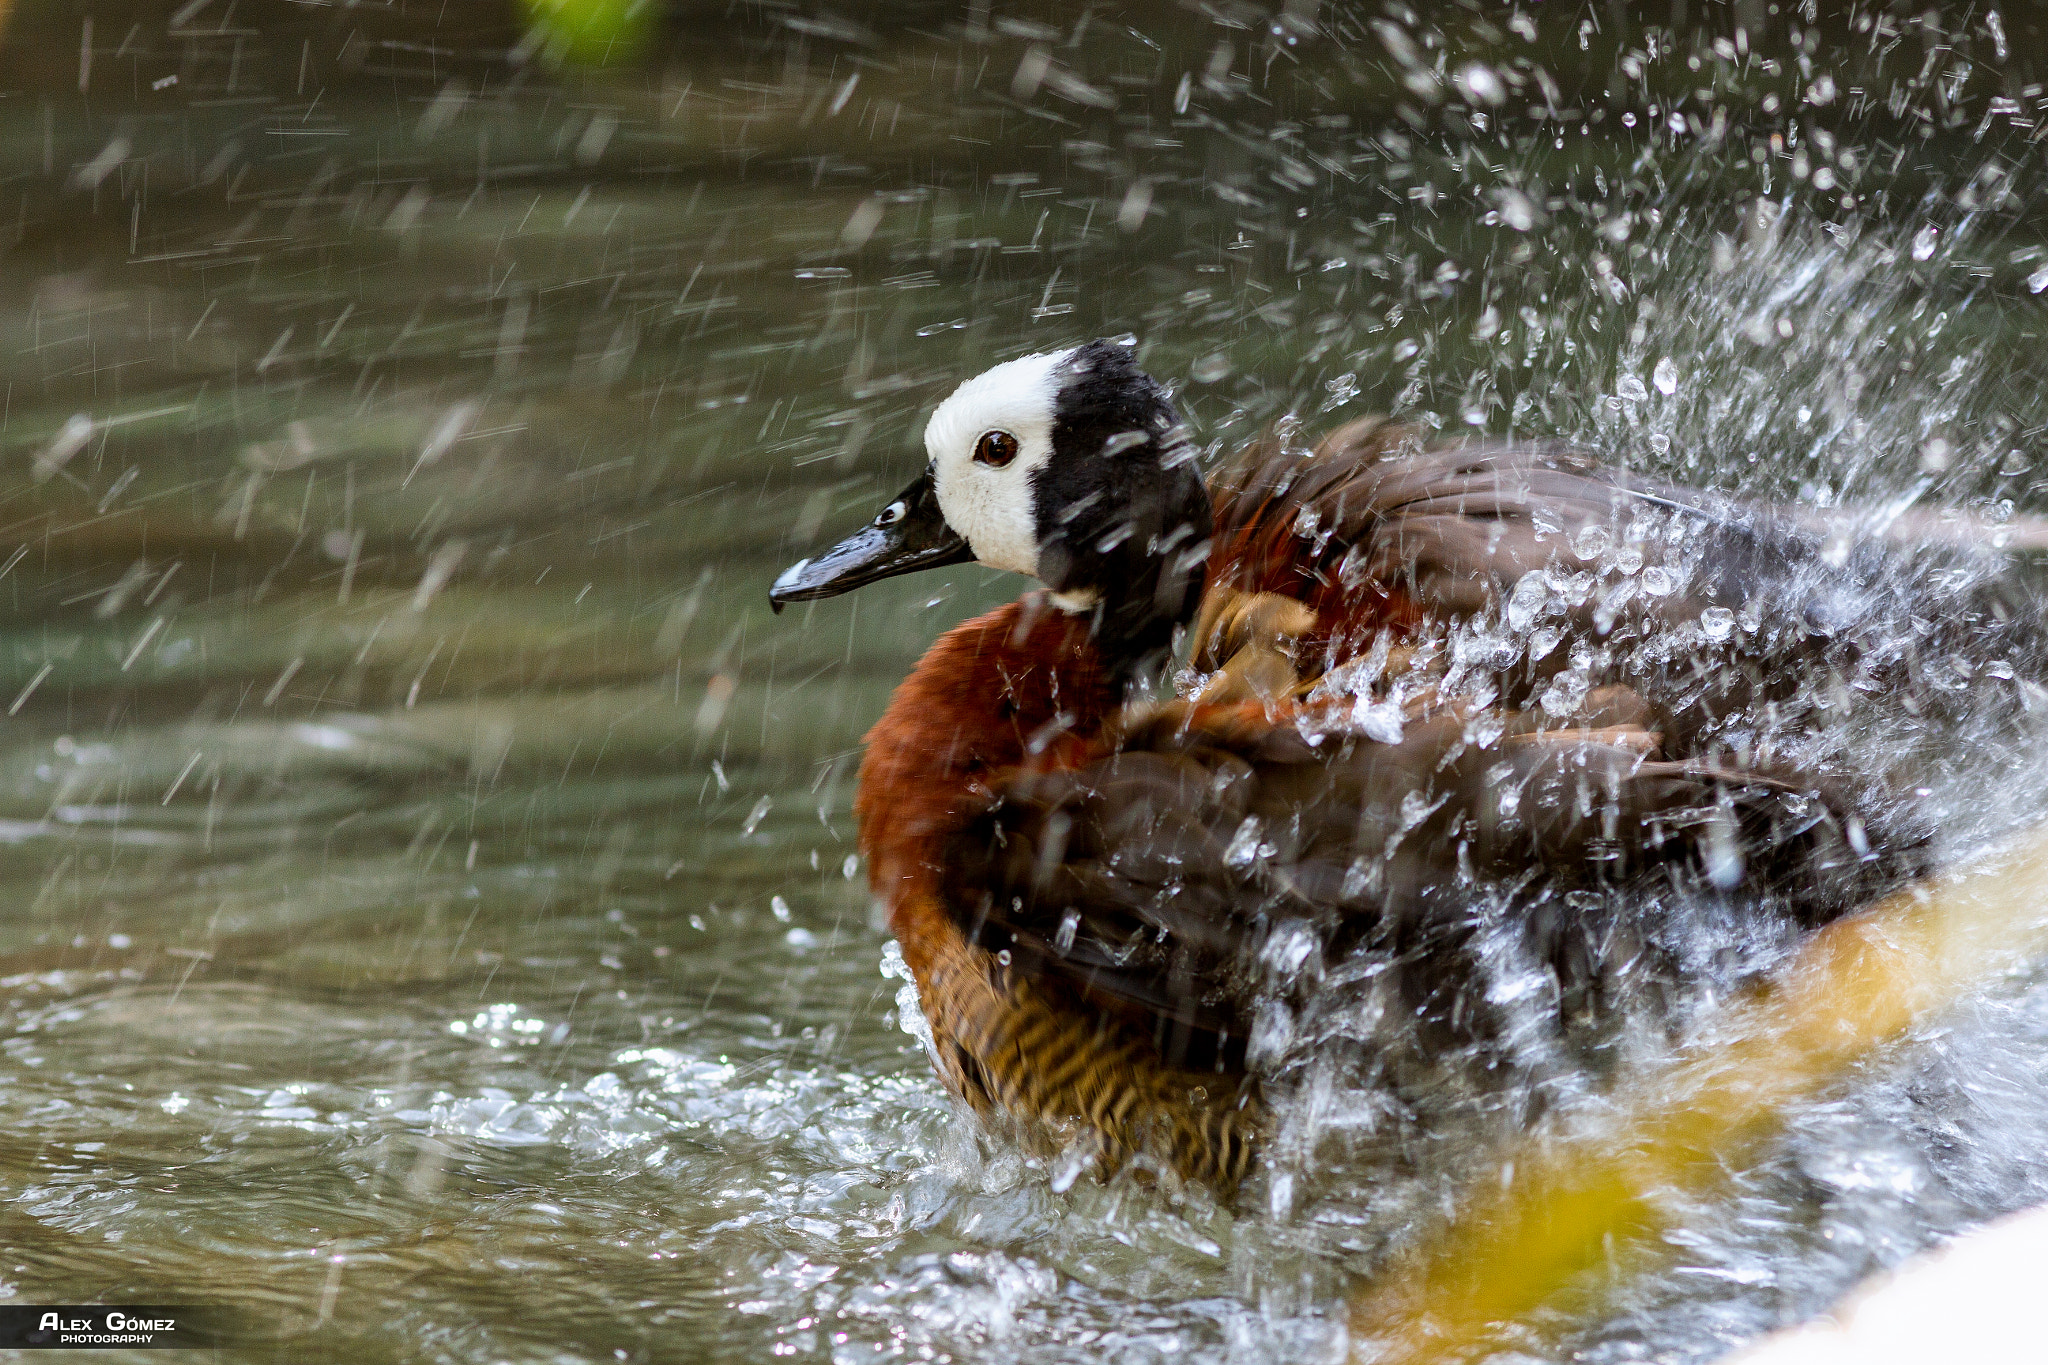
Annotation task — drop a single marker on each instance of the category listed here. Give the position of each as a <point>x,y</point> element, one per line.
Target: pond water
<point>433,920</point>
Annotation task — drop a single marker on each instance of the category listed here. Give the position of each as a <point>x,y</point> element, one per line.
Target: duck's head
<point>1070,467</point>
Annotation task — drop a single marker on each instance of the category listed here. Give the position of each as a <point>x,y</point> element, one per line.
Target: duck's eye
<point>891,514</point>
<point>995,449</point>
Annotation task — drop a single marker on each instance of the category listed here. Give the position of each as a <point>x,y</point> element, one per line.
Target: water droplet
<point>1563,695</point>
<point>1272,1031</point>
<point>1526,603</point>
<point>1717,623</point>
<point>1665,377</point>
<point>1478,83</point>
<point>1210,368</point>
<point>1072,1162</point>
<point>1381,721</point>
<point>1723,853</point>
<point>1923,242</point>
<point>1415,808</point>
<point>1289,949</point>
<point>1517,210</point>
<point>757,815</point>
<point>1069,923</point>
<point>77,430</point>
<point>1510,802</point>
<point>1280,1194</point>
<point>1244,845</point>
<point>2038,281</point>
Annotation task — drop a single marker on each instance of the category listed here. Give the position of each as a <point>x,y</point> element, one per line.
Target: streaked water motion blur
<point>433,919</point>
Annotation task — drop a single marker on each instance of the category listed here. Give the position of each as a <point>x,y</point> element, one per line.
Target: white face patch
<point>995,508</point>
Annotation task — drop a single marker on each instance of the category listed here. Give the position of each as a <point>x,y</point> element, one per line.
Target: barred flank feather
<point>1023,1048</point>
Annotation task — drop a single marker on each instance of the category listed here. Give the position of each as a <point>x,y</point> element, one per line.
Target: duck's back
<point>1221,856</point>
<point>1372,516</point>
<point>1713,607</point>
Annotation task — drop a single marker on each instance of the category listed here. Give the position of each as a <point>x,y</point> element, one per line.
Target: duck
<point>1252,724</point>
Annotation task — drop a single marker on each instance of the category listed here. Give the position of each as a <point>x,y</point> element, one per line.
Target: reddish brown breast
<point>1019,687</point>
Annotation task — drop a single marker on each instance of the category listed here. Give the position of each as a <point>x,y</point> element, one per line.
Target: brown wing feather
<point>1375,530</point>
<point>1143,885</point>
<point>1371,526</point>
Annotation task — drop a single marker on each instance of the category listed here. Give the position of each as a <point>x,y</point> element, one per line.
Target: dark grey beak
<point>909,534</point>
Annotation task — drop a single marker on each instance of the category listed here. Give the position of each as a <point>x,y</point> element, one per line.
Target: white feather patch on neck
<point>995,509</point>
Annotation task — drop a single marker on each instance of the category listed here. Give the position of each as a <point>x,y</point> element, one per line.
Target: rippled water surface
<point>432,914</point>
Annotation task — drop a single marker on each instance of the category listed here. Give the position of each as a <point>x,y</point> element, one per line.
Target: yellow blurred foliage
<point>1587,1199</point>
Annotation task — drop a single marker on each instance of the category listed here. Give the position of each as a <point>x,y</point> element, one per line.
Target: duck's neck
<point>1131,641</point>
<point>1134,569</point>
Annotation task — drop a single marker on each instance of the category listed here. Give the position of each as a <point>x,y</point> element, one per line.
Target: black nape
<point>1121,510</point>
